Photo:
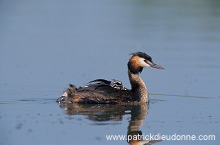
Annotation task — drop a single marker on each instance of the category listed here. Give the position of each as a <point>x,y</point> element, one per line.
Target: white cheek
<point>143,64</point>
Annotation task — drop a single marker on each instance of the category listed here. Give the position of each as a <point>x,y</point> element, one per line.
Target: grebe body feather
<point>104,91</point>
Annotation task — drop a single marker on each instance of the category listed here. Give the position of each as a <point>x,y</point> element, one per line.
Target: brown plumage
<point>105,92</point>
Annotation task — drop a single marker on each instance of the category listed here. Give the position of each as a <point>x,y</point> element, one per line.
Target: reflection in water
<point>108,112</point>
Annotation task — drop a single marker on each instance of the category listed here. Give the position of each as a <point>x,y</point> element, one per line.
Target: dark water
<point>45,45</point>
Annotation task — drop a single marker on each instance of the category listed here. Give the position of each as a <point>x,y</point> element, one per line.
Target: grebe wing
<point>95,84</point>
<point>104,83</point>
<point>96,87</point>
<point>100,81</point>
<point>103,95</point>
<point>99,91</point>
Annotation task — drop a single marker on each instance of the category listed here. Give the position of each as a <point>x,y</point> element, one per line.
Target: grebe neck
<point>138,87</point>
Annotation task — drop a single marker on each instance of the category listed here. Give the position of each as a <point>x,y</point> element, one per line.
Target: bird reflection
<point>114,112</point>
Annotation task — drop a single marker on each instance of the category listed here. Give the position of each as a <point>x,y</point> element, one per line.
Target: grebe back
<point>103,91</point>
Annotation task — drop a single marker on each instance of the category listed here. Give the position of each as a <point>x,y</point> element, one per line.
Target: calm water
<point>45,45</point>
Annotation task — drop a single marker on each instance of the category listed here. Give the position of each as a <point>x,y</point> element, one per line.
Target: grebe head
<point>117,85</point>
<point>140,60</point>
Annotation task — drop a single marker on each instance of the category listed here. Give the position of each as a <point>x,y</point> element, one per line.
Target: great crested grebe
<point>103,91</point>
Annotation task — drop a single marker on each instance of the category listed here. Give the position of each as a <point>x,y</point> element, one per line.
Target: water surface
<point>45,45</point>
